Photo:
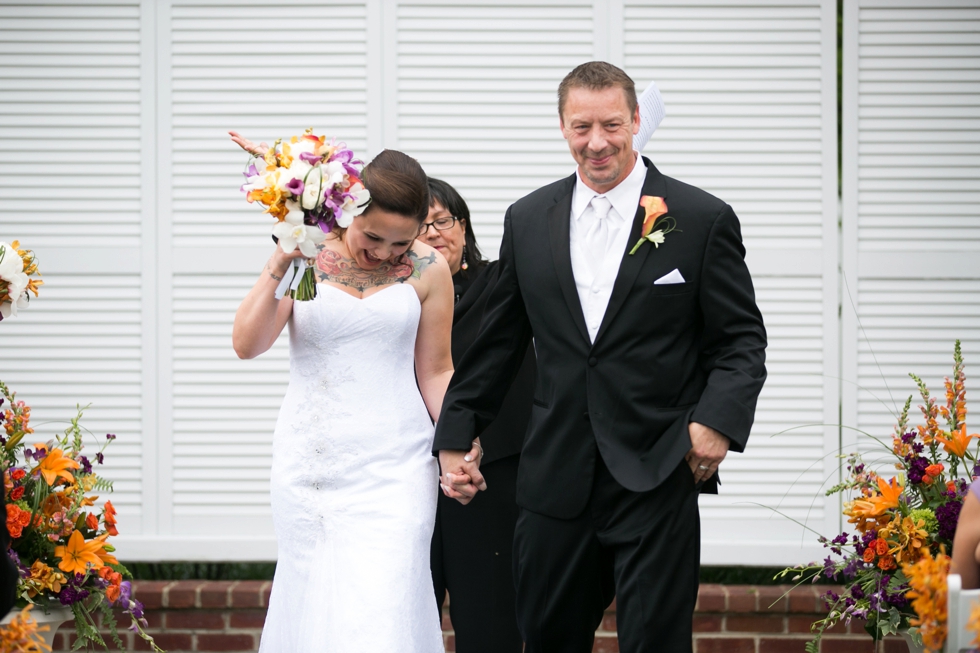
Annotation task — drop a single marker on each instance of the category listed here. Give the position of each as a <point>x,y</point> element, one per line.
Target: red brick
<point>447,622</point>
<point>742,598</point>
<point>195,620</point>
<point>124,637</point>
<point>754,624</point>
<point>895,645</point>
<point>182,594</point>
<point>247,594</point>
<point>214,595</point>
<point>707,623</point>
<point>801,623</point>
<point>608,622</point>
<point>226,642</point>
<point>166,641</point>
<point>247,619</point>
<point>782,644</point>
<point>150,592</point>
<point>267,592</point>
<point>847,645</point>
<point>724,645</point>
<point>804,599</point>
<point>774,598</point>
<point>450,643</point>
<point>60,643</point>
<point>607,644</point>
<point>711,598</point>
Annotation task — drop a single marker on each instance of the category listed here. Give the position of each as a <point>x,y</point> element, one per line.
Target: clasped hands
<point>461,478</point>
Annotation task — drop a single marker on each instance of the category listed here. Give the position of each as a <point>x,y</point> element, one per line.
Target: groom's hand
<point>461,478</point>
<point>708,449</point>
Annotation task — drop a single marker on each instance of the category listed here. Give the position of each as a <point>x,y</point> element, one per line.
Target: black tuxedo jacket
<point>664,355</point>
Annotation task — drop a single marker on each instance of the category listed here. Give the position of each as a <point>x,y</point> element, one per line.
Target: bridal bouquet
<point>17,266</point>
<point>59,537</point>
<point>309,186</point>
<point>903,524</point>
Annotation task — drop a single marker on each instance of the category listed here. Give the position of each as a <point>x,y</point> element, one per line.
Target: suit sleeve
<point>484,375</point>
<point>733,346</point>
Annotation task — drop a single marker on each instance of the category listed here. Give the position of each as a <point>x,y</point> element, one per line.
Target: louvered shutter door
<point>749,90</point>
<point>477,97</point>
<point>267,72</point>
<point>911,184</point>
<point>70,189</point>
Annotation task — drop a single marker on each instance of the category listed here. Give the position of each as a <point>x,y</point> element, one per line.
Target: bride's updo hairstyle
<point>397,184</point>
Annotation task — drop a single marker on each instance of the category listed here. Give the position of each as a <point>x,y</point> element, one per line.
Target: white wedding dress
<point>354,483</point>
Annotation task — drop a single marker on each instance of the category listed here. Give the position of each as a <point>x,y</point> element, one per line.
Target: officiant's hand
<point>708,449</point>
<point>461,478</point>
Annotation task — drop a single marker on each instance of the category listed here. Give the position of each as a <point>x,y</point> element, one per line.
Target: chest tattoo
<point>333,267</point>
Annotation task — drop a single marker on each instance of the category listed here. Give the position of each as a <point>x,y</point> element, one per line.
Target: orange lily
<point>654,207</point>
<point>957,442</point>
<point>106,557</point>
<point>78,554</point>
<point>878,504</point>
<point>55,465</point>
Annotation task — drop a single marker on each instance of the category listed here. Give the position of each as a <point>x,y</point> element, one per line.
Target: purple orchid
<point>310,158</point>
<point>295,186</point>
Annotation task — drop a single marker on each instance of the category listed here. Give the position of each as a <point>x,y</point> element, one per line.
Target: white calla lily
<point>293,233</point>
<point>10,308</point>
<point>312,193</point>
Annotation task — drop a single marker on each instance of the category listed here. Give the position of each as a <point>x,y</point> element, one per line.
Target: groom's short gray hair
<point>596,76</point>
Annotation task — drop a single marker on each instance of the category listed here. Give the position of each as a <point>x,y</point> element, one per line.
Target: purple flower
<point>948,515</point>
<point>295,186</point>
<point>917,469</point>
<point>918,447</point>
<point>110,436</point>
<point>71,591</point>
<point>310,158</point>
<point>976,469</point>
<point>100,458</point>
<point>86,465</point>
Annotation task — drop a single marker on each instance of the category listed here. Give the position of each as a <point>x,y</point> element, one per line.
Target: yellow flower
<point>21,634</point>
<point>910,538</point>
<point>42,578</point>
<point>78,554</point>
<point>55,465</point>
<point>927,578</point>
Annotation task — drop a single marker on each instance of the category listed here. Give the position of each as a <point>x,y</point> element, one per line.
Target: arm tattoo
<point>335,268</point>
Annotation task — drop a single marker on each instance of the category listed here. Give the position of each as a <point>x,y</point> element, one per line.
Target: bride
<point>354,484</point>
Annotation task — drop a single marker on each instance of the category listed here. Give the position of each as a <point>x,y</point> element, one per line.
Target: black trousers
<point>472,558</point>
<point>643,548</point>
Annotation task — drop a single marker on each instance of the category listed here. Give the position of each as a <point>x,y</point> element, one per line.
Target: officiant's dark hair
<point>443,192</point>
<point>596,76</point>
<point>397,184</point>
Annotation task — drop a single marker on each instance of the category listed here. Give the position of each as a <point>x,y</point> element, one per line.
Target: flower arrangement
<point>17,266</point>
<point>903,524</point>
<point>21,635</point>
<point>310,187</point>
<point>654,208</point>
<point>59,539</point>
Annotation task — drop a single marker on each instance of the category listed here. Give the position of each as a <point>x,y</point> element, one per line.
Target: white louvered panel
<point>79,344</point>
<point>69,123</point>
<point>267,72</point>
<point>477,96</point>
<point>742,86</point>
<point>781,467</point>
<point>224,414</point>
<point>919,126</point>
<point>910,325</point>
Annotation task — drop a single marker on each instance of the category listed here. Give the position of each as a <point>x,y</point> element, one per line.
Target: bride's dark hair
<point>397,184</point>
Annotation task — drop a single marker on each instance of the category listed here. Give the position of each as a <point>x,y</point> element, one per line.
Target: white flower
<point>333,173</point>
<point>10,308</point>
<point>292,233</point>
<point>657,237</point>
<point>312,195</point>
<point>301,145</point>
<point>12,270</point>
<point>354,206</point>
<point>296,171</point>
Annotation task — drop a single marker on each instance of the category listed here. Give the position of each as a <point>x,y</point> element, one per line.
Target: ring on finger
<point>703,467</point>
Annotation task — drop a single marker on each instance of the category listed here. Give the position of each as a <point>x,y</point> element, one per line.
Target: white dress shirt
<point>594,279</point>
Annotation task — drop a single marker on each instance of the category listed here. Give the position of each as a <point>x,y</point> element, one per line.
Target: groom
<point>649,367</point>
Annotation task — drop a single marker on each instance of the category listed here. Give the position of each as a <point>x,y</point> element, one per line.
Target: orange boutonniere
<point>655,209</point>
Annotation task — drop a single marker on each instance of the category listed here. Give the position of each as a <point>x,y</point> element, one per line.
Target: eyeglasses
<point>439,225</point>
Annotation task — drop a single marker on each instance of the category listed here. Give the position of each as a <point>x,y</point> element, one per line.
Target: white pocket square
<point>674,276</point>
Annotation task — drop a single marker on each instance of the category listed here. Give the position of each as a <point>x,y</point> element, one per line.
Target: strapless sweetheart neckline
<point>374,294</point>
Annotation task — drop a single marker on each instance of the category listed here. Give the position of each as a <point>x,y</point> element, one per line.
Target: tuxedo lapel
<point>630,266</point>
<point>559,216</point>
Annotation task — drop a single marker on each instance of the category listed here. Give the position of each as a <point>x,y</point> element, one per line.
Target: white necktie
<point>597,237</point>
